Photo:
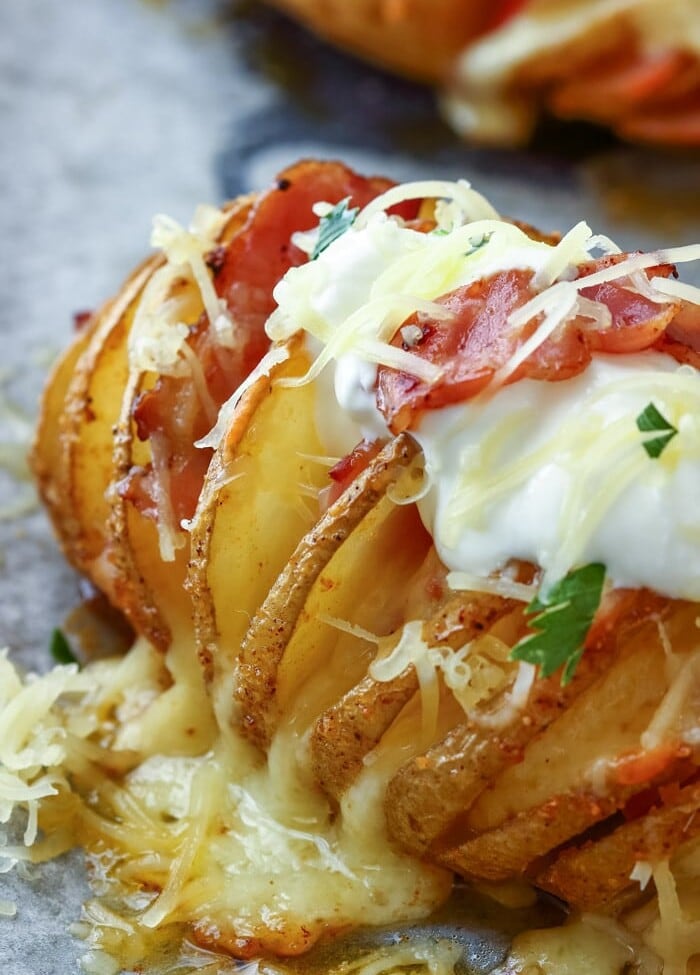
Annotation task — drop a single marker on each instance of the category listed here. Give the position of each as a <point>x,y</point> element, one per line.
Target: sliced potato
<point>429,797</point>
<point>264,647</point>
<point>92,404</point>
<point>149,588</point>
<point>348,730</point>
<point>260,497</point>
<point>572,776</point>
<point>597,873</point>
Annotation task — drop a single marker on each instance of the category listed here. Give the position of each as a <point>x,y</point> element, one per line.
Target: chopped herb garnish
<point>61,649</point>
<point>651,421</point>
<point>333,225</point>
<point>562,622</point>
<point>476,245</point>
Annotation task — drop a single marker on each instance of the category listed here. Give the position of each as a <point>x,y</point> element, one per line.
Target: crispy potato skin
<point>71,456</point>
<point>265,642</point>
<point>149,590</point>
<point>596,874</point>
<point>347,732</point>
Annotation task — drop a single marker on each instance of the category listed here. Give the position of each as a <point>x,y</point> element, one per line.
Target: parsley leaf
<point>650,420</point>
<point>60,648</point>
<point>562,622</point>
<point>333,225</point>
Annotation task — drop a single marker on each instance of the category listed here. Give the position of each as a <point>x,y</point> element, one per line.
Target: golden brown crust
<point>416,38</point>
<point>269,633</point>
<point>596,874</point>
<point>72,453</point>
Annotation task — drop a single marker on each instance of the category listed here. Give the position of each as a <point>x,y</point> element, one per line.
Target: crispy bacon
<point>245,273</point>
<point>350,466</point>
<point>682,337</point>
<point>501,11</point>
<point>476,340</point>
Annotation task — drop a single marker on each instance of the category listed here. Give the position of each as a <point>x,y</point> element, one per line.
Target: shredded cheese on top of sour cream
<point>549,472</point>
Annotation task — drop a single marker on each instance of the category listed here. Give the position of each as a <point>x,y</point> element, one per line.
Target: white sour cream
<point>556,473</point>
<point>552,473</point>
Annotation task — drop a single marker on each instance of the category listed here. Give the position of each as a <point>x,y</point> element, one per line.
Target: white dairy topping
<point>367,271</point>
<point>555,473</point>
<point>550,472</point>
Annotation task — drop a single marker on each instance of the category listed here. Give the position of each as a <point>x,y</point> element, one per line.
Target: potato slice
<point>264,647</point>
<point>429,797</point>
<point>328,653</point>
<point>598,872</point>
<point>348,730</point>
<point>572,776</point>
<point>92,403</point>
<point>150,589</point>
<point>259,499</point>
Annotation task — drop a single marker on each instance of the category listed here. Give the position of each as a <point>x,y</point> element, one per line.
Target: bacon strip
<point>245,273</point>
<point>477,339</point>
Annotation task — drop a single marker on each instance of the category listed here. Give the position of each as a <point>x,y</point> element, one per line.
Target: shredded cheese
<point>229,845</point>
<point>274,357</point>
<point>470,204</point>
<point>675,936</point>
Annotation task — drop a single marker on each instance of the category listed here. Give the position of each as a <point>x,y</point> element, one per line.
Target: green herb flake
<point>651,421</point>
<point>333,225</point>
<point>562,621</point>
<point>60,648</point>
<point>477,244</point>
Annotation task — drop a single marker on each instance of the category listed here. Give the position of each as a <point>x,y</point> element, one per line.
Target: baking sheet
<point>113,111</point>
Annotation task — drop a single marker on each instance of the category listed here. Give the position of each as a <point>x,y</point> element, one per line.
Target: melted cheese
<point>575,949</point>
<point>201,831</point>
<point>228,844</point>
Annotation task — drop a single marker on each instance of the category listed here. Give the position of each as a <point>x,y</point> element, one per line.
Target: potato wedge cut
<point>266,641</point>
<point>597,873</point>
<point>92,405</point>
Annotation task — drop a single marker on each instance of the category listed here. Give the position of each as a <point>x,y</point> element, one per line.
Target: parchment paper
<point>112,111</point>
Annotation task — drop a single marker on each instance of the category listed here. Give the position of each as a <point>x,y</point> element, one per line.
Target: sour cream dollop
<point>555,473</point>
